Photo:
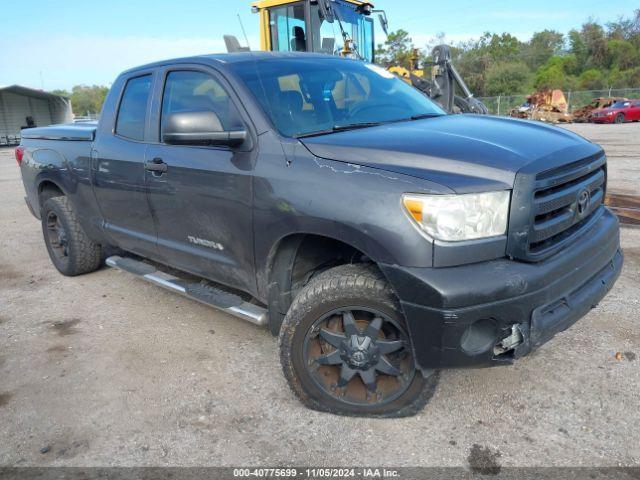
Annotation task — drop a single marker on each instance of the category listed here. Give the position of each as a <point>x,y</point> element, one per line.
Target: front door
<point>635,111</point>
<point>118,171</point>
<point>202,202</point>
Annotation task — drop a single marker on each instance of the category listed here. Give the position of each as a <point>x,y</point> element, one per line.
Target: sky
<point>55,45</point>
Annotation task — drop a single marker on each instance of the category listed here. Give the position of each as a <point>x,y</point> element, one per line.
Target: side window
<point>191,91</point>
<point>132,113</point>
<point>288,29</point>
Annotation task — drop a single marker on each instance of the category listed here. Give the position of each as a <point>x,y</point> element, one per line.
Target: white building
<point>21,106</point>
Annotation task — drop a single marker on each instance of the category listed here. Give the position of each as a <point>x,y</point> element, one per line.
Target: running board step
<point>214,297</point>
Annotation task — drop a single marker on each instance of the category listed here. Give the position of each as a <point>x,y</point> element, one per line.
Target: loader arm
<point>446,81</point>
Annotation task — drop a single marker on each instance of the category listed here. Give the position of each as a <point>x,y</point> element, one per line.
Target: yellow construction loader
<point>346,28</point>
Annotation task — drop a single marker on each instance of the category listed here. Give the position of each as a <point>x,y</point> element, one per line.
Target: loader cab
<point>317,26</point>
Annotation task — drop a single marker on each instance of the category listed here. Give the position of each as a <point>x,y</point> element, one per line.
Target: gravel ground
<point>105,369</point>
<point>622,144</point>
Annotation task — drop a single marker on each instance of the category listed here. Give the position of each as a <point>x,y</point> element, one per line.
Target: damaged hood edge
<point>467,153</point>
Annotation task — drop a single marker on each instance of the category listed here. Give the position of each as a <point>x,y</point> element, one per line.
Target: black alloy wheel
<point>71,250</point>
<point>56,237</point>
<point>359,356</point>
<point>345,347</point>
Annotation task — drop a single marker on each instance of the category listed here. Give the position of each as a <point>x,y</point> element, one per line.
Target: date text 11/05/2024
<point>316,472</point>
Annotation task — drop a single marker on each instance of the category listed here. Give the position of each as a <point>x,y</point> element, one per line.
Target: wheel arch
<point>295,259</point>
<point>49,185</point>
<point>47,188</point>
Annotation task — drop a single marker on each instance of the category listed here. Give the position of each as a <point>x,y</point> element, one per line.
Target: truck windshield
<point>327,37</point>
<point>304,96</point>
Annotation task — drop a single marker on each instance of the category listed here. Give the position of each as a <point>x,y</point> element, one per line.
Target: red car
<point>619,112</point>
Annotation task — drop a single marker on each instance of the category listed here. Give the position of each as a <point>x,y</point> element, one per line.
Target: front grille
<point>564,201</point>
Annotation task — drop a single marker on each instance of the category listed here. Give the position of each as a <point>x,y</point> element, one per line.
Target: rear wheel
<point>71,251</point>
<point>345,348</point>
<point>619,118</point>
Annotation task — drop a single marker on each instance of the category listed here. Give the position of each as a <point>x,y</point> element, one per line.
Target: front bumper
<point>456,316</point>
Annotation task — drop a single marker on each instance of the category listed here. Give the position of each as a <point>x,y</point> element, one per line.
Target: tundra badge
<point>205,243</point>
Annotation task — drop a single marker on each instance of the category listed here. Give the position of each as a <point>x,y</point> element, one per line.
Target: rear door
<point>118,170</point>
<point>202,202</point>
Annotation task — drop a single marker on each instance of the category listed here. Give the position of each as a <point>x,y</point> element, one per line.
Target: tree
<point>542,46</point>
<point>578,48</point>
<point>622,54</point>
<point>553,75</point>
<point>62,93</point>
<point>594,39</point>
<point>592,79</point>
<point>88,100</point>
<point>507,78</point>
<point>396,50</point>
<point>623,29</point>
<point>474,58</point>
<point>618,79</point>
<point>499,48</point>
<point>590,57</point>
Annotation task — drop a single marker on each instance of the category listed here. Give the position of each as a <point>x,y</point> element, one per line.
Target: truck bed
<point>84,131</point>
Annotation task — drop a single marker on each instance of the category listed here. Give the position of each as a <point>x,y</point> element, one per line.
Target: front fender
<point>359,206</point>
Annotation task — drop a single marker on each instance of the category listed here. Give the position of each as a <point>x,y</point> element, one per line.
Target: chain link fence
<point>502,104</point>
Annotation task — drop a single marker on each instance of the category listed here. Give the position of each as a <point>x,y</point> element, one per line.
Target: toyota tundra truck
<point>381,239</point>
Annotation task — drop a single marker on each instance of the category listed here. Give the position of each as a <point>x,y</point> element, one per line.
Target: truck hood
<point>466,153</point>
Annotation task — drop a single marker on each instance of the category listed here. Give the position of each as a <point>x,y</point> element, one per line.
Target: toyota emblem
<point>583,202</point>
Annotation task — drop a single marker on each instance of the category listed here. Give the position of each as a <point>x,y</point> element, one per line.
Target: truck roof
<point>276,3</point>
<point>227,58</point>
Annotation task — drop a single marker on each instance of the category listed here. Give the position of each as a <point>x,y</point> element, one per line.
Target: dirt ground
<point>105,369</point>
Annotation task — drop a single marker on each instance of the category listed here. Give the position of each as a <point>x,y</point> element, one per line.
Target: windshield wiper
<point>340,128</point>
<point>419,116</point>
<point>425,115</point>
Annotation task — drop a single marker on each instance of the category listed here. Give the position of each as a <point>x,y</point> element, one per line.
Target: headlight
<point>460,217</point>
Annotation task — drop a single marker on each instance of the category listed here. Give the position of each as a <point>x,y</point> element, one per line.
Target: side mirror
<point>199,128</point>
<point>384,22</point>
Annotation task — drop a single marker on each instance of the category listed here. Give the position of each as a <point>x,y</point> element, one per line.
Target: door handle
<point>156,165</point>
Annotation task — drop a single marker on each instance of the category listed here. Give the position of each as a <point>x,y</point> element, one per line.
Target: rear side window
<point>191,91</point>
<point>133,108</point>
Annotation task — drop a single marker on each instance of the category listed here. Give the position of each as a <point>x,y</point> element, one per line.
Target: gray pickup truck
<point>324,198</point>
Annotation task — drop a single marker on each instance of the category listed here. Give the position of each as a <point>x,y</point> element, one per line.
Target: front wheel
<point>345,348</point>
<point>619,118</point>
